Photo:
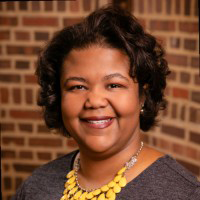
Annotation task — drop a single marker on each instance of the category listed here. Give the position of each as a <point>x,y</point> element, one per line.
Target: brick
<point>196,11</point>
<point>8,21</point>
<point>45,142</point>
<point>173,131</point>
<point>6,154</point>
<point>71,143</point>
<point>180,93</point>
<point>6,126</point>
<point>22,64</point>
<point>174,110</point>
<point>195,96</point>
<point>191,167</point>
<point>5,64</point>
<point>5,35</point>
<point>61,6</point>
<point>23,5</point>
<point>42,129</point>
<point>143,23</point>
<point>18,182</point>
<point>195,137</point>
<point>185,77</point>
<point>189,27</point>
<point>25,127</point>
<point>6,167</point>
<point>175,59</point>
<point>162,25</point>
<point>16,93</point>
<point>22,35</point>
<point>178,148</point>
<point>40,21</point>
<point>182,113</point>
<point>155,141</point>
<point>195,62</point>
<point>13,140</point>
<point>172,75</point>
<point>30,79</point>
<point>74,6</point>
<point>197,79</point>
<point>4,95</point>
<point>191,152</point>
<point>25,155</point>
<point>187,7</point>
<point>7,183</point>
<point>190,44</point>
<point>149,6</point>
<point>48,5</point>
<point>10,5</point>
<point>87,5</point>
<point>25,114</point>
<point>3,113</point>
<point>175,42</point>
<point>41,35</point>
<point>141,6</point>
<point>8,78</point>
<point>23,50</point>
<point>194,115</point>
<point>177,6</point>
<point>158,6</point>
<point>27,168</point>
<point>71,21</point>
<point>44,156</point>
<point>168,6</point>
<point>35,5</point>
<point>29,96</point>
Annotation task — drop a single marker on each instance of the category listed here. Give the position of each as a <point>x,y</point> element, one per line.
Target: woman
<point>102,81</point>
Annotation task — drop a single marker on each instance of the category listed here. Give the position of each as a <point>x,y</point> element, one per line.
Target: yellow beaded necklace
<point>74,191</point>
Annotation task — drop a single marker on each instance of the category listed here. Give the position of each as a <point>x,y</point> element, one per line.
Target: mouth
<point>98,122</point>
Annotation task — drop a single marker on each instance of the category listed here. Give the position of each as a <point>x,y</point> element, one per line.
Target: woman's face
<point>100,101</point>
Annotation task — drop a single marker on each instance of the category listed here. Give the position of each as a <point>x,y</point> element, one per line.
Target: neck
<point>95,172</point>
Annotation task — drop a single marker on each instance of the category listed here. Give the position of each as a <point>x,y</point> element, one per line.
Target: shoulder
<point>47,181</point>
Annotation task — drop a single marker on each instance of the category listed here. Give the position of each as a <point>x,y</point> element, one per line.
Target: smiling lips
<point>99,122</point>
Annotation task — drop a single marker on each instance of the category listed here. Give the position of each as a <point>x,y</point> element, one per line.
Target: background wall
<point>26,27</point>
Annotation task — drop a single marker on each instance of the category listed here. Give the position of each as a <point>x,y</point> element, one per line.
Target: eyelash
<point>76,86</point>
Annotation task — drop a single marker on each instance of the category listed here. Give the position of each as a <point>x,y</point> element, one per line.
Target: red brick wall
<point>26,27</point>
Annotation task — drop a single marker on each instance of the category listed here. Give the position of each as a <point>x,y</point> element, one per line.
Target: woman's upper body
<point>164,179</point>
<point>102,81</point>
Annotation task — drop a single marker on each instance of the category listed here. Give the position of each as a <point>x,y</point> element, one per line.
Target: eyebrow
<point>107,77</point>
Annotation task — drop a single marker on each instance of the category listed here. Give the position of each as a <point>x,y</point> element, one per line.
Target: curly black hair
<point>114,28</point>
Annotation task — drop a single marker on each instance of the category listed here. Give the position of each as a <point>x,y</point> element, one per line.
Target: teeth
<point>98,122</point>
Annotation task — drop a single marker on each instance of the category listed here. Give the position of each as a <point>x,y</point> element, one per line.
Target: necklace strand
<point>73,190</point>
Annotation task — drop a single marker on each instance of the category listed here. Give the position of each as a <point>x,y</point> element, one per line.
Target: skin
<point>94,95</point>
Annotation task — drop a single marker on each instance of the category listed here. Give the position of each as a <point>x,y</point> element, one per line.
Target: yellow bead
<point>122,182</point>
<point>117,178</point>
<point>65,191</point>
<point>78,194</point>
<point>71,180</point>
<point>71,186</point>
<point>109,193</point>
<point>117,188</point>
<point>64,197</point>
<point>121,171</point>
<point>66,185</point>
<point>73,190</point>
<point>96,192</point>
<point>70,174</point>
<point>112,197</point>
<point>111,184</point>
<point>104,188</point>
<point>101,197</point>
<point>94,198</point>
<point>90,195</point>
<point>83,196</point>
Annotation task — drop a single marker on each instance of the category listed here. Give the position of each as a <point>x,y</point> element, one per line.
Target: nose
<point>95,99</point>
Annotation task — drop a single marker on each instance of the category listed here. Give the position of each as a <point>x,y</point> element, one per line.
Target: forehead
<point>98,58</point>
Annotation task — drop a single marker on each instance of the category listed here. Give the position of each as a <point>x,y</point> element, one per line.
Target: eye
<point>77,87</point>
<point>114,86</point>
